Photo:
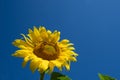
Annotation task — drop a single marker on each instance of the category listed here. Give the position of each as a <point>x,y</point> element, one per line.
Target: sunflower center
<point>50,50</point>
<point>46,51</point>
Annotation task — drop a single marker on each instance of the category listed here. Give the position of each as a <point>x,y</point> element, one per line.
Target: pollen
<point>46,51</point>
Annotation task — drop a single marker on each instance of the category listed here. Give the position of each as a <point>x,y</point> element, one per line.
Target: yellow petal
<point>26,59</point>
<point>34,64</point>
<point>21,43</point>
<point>22,53</point>
<point>43,66</point>
<point>58,63</point>
<point>55,36</point>
<point>43,34</point>
<point>71,48</point>
<point>36,32</point>
<point>51,67</point>
<point>28,41</point>
<point>72,59</point>
<point>34,35</point>
<point>64,41</point>
<point>67,65</point>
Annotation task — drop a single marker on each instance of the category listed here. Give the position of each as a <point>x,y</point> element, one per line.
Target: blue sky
<point>92,25</point>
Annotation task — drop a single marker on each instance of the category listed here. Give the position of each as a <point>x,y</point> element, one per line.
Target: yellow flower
<point>44,50</point>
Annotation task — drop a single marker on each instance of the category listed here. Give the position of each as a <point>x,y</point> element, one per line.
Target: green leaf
<point>58,76</point>
<point>105,77</point>
<point>63,78</point>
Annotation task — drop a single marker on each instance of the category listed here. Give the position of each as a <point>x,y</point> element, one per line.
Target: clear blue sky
<point>92,25</point>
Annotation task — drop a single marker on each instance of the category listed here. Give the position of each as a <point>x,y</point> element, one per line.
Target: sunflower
<point>44,50</point>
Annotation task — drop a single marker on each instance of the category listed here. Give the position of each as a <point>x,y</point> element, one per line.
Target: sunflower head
<point>44,50</point>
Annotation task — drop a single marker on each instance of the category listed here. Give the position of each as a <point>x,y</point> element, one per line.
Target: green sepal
<point>105,77</point>
<point>58,76</point>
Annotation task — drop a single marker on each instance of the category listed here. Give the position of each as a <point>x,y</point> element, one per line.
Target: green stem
<point>42,76</point>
